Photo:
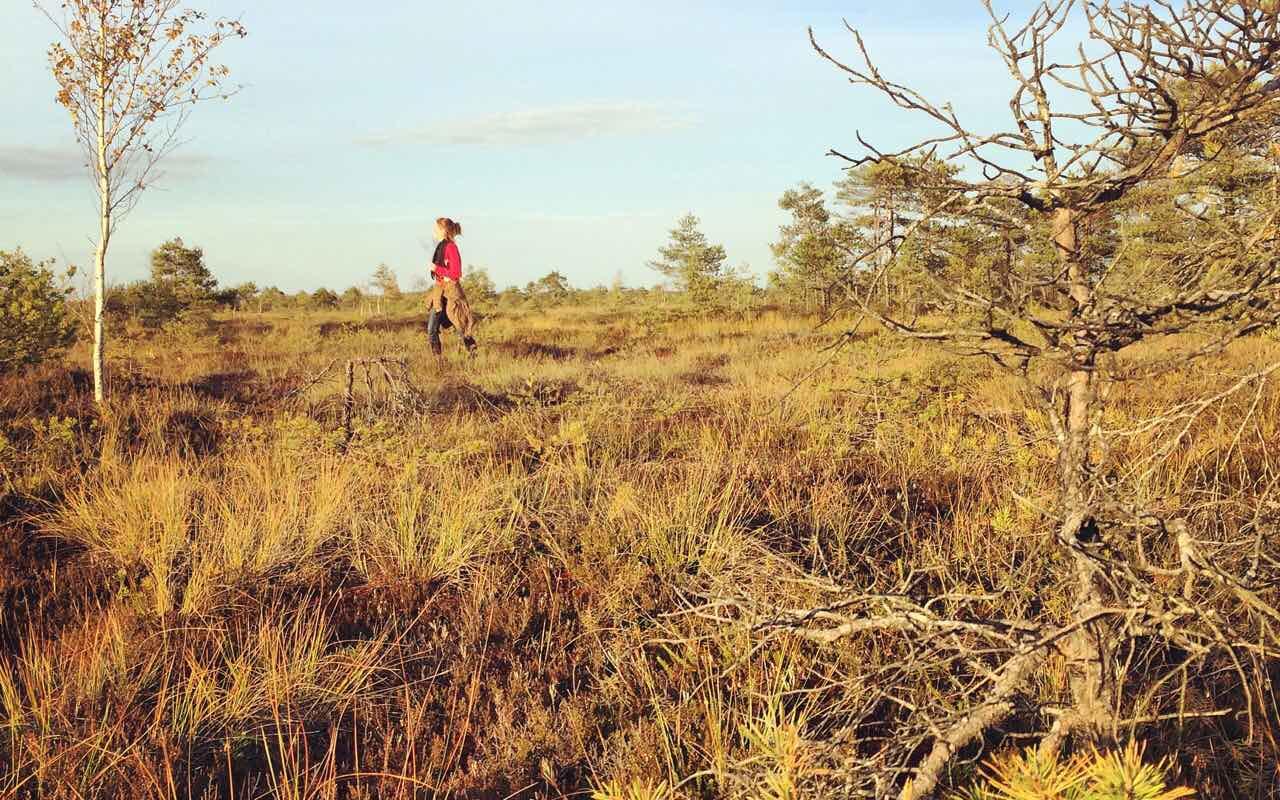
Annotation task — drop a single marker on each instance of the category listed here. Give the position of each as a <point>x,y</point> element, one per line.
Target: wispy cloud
<point>491,217</point>
<point>41,164</point>
<point>540,125</point>
<point>56,164</point>
<point>603,216</point>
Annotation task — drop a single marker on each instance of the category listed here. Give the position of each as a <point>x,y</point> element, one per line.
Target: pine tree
<point>882,201</point>
<point>324,298</point>
<point>181,270</point>
<point>696,266</point>
<point>812,251</point>
<point>386,282</point>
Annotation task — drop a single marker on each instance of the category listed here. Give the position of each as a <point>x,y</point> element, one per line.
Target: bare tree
<point>1132,109</point>
<point>385,284</point>
<point>129,72</point>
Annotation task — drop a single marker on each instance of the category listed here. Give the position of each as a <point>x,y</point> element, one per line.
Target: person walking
<point>446,302</point>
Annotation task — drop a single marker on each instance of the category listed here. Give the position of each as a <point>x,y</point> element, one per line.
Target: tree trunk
<point>1087,648</point>
<point>995,708</point>
<point>99,308</point>
<point>893,247</point>
<point>104,231</point>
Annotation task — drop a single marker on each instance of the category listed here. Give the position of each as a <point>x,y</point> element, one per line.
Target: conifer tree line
<point>833,249</point>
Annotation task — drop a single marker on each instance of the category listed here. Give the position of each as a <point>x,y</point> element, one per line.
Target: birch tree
<point>129,72</point>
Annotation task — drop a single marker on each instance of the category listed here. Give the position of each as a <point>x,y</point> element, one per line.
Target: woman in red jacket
<point>449,307</point>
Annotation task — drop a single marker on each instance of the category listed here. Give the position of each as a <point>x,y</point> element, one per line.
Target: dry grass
<point>210,594</point>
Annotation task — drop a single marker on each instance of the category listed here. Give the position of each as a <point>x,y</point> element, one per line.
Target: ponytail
<point>452,229</point>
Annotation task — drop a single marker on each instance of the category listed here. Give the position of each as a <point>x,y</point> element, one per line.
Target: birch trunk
<point>99,332</point>
<point>100,285</point>
<point>104,227</point>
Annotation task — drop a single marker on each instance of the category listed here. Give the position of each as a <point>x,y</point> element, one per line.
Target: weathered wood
<point>348,403</point>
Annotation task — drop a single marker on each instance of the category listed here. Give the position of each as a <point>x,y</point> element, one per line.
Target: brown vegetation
<point>505,592</point>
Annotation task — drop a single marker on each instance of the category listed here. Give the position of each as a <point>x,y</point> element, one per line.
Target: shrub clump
<point>35,323</point>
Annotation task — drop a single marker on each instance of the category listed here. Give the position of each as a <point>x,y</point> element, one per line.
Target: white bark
<point>99,304</point>
<point>104,232</point>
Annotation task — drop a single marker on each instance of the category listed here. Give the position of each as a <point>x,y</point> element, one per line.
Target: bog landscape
<point>972,496</point>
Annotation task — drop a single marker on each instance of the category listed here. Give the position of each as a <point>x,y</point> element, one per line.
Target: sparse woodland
<point>978,499</point>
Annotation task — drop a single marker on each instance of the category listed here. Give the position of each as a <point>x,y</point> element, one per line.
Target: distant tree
<point>511,295</point>
<point>183,270</point>
<point>237,297</point>
<point>272,298</point>
<point>552,286</point>
<point>478,285</point>
<point>813,249</point>
<point>695,265</point>
<point>35,322</point>
<point>892,209</point>
<point>324,298</point>
<point>226,298</point>
<point>129,72</point>
<point>181,286</point>
<point>151,304</point>
<point>246,294</point>
<point>352,297</point>
<point>737,291</point>
<point>384,282</point>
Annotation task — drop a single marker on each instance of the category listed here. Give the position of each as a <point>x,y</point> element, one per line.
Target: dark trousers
<point>440,319</point>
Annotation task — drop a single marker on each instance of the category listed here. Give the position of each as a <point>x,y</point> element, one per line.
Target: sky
<point>564,134</point>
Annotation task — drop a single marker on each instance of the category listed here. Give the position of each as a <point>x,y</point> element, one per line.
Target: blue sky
<point>564,134</point>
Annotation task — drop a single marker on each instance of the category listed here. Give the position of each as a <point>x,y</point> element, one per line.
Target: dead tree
<point>389,392</point>
<point>1133,108</point>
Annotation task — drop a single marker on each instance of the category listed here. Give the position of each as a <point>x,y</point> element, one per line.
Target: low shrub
<point>35,323</point>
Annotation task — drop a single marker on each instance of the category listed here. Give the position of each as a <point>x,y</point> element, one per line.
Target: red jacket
<point>452,264</point>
